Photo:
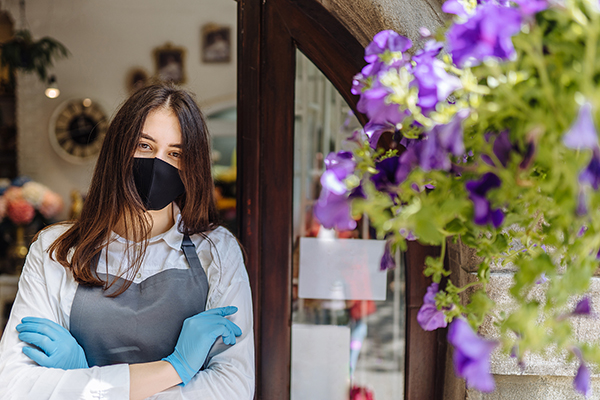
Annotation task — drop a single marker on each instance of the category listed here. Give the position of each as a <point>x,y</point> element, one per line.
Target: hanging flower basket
<point>491,142</point>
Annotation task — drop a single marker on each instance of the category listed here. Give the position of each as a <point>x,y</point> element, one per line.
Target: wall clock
<point>77,129</point>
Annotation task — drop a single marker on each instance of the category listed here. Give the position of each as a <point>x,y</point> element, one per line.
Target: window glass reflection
<point>348,317</point>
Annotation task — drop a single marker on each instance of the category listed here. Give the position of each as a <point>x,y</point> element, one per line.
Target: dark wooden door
<point>269,32</point>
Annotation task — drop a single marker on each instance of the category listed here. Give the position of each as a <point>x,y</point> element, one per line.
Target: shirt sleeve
<point>20,377</point>
<point>229,373</point>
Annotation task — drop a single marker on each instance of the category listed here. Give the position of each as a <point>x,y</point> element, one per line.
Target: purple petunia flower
<point>386,41</point>
<point>373,102</point>
<point>583,307</point>
<point>591,174</point>
<point>471,356</point>
<point>486,34</point>
<point>385,179</point>
<point>387,260</point>
<point>543,279</point>
<point>432,155</point>
<point>338,167</point>
<point>482,208</point>
<point>582,379</point>
<point>430,51</point>
<point>581,383</point>
<point>451,134</point>
<point>434,83</point>
<point>408,160</point>
<point>374,132</point>
<point>429,317</point>
<point>582,134</point>
<point>332,209</point>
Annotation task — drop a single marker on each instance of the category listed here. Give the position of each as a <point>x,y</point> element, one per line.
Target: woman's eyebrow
<point>145,136</point>
<point>148,137</point>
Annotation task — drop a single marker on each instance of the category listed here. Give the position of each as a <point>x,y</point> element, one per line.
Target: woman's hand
<point>197,336</point>
<point>57,348</point>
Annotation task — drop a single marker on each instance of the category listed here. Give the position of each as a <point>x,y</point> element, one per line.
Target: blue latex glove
<point>197,336</point>
<point>57,348</point>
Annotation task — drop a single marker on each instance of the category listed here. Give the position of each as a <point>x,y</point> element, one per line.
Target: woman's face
<point>161,137</point>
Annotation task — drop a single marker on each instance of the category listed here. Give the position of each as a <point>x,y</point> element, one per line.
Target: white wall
<point>107,38</point>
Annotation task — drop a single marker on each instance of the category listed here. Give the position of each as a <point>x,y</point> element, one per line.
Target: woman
<point>102,302</point>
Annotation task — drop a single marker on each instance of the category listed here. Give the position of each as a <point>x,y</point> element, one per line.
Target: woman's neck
<point>159,220</point>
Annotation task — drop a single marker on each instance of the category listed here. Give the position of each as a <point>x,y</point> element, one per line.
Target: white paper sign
<point>320,362</point>
<point>341,269</point>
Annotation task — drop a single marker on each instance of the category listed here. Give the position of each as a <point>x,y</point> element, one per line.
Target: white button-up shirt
<point>47,290</point>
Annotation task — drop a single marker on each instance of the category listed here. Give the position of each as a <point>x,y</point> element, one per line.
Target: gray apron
<point>143,323</point>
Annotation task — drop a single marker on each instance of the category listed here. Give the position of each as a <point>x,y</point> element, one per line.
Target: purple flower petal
<point>386,40</point>
<point>333,211</point>
<point>581,383</point>
<point>591,174</point>
<point>482,186</point>
<point>374,132</point>
<point>451,135</point>
<point>431,49</point>
<point>583,307</point>
<point>385,178</point>
<point>543,279</point>
<point>373,103</point>
<point>387,260</point>
<point>483,213</point>
<point>338,167</point>
<point>582,134</point>
<point>431,154</point>
<point>503,147</point>
<point>471,356</point>
<point>434,83</point>
<point>485,34</point>
<point>455,7</point>
<point>531,7</point>
<point>429,317</point>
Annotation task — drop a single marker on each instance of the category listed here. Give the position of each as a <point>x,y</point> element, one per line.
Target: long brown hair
<point>113,199</point>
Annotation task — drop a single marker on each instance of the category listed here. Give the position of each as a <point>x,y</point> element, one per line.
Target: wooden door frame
<point>269,31</point>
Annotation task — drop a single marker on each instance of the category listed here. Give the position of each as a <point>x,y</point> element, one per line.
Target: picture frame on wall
<point>170,63</point>
<point>136,79</point>
<point>216,44</point>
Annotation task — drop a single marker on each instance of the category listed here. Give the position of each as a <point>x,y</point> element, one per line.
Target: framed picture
<point>170,63</point>
<point>216,44</point>
<point>136,79</point>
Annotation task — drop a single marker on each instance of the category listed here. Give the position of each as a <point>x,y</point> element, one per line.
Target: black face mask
<point>157,182</point>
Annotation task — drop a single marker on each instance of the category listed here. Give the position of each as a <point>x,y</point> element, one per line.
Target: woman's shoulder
<point>49,234</point>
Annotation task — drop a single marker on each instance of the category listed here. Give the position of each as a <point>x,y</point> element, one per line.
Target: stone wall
<point>544,377</point>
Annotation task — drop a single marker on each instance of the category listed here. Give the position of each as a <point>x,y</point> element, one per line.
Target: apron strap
<point>189,250</point>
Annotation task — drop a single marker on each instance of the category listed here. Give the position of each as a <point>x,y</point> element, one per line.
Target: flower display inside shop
<point>486,134</point>
<point>21,198</point>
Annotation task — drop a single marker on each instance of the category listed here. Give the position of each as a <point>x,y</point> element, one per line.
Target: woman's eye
<point>144,146</point>
<point>176,155</point>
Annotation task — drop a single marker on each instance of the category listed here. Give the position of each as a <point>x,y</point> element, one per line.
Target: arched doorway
<point>269,34</point>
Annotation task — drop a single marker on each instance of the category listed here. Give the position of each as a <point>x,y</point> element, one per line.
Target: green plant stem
<point>536,55</point>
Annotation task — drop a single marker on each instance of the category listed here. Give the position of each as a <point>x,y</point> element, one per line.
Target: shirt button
<point>139,276</point>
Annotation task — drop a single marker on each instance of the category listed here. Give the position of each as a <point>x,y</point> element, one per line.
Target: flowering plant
<point>21,198</point>
<point>492,143</point>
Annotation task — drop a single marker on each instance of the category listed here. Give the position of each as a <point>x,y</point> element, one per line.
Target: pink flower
<point>51,205</point>
<point>20,211</point>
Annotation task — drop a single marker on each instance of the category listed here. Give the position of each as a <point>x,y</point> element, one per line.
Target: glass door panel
<point>348,317</point>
